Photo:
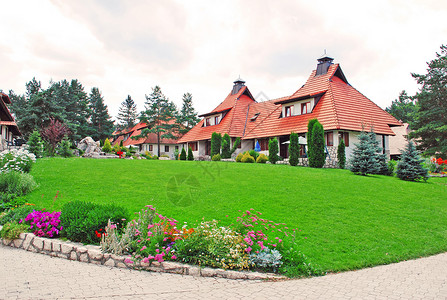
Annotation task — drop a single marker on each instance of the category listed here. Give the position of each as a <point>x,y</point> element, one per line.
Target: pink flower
<point>248,249</point>
<point>173,257</point>
<point>144,247</point>
<point>150,226</point>
<point>128,261</point>
<point>157,250</point>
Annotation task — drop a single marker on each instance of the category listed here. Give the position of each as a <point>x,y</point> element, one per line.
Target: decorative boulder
<point>89,146</point>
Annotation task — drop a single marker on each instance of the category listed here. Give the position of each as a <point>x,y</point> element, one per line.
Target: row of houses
<point>327,96</point>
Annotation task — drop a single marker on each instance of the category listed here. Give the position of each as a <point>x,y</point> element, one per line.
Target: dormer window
<point>255,116</point>
<point>207,122</point>
<point>288,111</point>
<point>216,120</point>
<point>305,108</point>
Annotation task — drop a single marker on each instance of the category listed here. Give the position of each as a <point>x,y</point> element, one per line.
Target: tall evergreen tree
<point>187,116</point>
<point>341,155</point>
<point>216,142</point>
<point>364,159</point>
<point>101,125</point>
<point>294,149</point>
<point>315,144</point>
<point>226,146</point>
<point>35,144</point>
<point>127,114</point>
<point>403,108</point>
<point>430,126</point>
<point>273,151</point>
<point>190,154</point>
<point>410,166</point>
<point>160,115</point>
<point>382,166</point>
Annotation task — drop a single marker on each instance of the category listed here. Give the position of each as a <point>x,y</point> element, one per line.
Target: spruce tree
<point>294,149</point>
<point>127,114</point>
<point>341,155</point>
<point>187,116</point>
<point>64,148</point>
<point>226,146</point>
<point>318,156</point>
<point>35,144</point>
<point>160,115</point>
<point>101,125</point>
<point>364,159</point>
<point>273,151</point>
<point>183,154</point>
<point>216,141</point>
<point>410,166</point>
<point>382,166</point>
<point>190,155</point>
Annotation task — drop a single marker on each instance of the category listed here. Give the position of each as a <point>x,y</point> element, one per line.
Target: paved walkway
<point>27,275</point>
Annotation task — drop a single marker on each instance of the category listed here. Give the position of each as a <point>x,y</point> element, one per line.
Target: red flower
<point>97,234</point>
<point>439,161</point>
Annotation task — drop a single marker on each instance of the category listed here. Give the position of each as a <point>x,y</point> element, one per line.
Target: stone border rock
<point>93,254</point>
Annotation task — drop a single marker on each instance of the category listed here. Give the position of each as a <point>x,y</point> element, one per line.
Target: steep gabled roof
<point>135,131</point>
<point>341,107</point>
<point>233,123</point>
<point>5,115</point>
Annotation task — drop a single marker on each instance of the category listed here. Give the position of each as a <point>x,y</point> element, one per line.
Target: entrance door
<point>284,148</point>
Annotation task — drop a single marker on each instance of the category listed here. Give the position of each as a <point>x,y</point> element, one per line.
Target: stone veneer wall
<point>93,254</point>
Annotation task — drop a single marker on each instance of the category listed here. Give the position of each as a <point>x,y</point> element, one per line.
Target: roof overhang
<point>215,112</point>
<point>294,99</point>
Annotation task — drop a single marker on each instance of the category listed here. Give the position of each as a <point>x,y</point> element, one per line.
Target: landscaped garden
<point>343,221</point>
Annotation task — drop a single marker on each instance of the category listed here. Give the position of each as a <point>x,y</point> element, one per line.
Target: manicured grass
<point>346,221</point>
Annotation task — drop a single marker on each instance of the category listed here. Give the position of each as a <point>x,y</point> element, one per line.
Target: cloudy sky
<point>201,47</point>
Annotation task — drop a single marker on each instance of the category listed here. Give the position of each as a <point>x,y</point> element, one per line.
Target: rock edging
<point>93,254</point>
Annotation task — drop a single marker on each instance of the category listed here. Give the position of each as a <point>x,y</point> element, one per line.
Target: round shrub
<point>183,154</point>
<point>262,158</point>
<point>107,146</point>
<point>239,157</point>
<point>254,154</point>
<point>16,160</point>
<point>14,184</point>
<point>216,157</point>
<point>247,158</point>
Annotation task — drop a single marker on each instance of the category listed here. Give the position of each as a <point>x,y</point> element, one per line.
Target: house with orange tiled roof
<point>8,127</point>
<point>327,96</point>
<point>148,143</point>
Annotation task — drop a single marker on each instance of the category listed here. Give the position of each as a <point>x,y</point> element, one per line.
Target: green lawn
<point>346,221</point>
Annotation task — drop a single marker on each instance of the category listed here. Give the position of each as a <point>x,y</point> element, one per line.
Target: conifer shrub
<point>190,155</point>
<point>216,157</point>
<point>176,154</point>
<point>310,126</point>
<point>216,141</point>
<point>410,167</point>
<point>364,159</point>
<point>247,158</point>
<point>262,158</point>
<point>254,154</point>
<point>239,157</point>
<point>341,155</point>
<point>318,154</point>
<point>107,148</point>
<point>183,154</point>
<point>226,152</point>
<point>64,148</point>
<point>35,144</point>
<point>236,144</point>
<point>273,151</point>
<point>294,149</point>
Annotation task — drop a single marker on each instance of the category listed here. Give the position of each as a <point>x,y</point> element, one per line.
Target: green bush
<point>183,154</point>
<point>391,167</point>
<point>107,148</point>
<point>164,155</point>
<point>16,160</point>
<point>35,144</point>
<point>262,158</point>
<point>294,149</point>
<point>216,142</point>
<point>83,221</point>
<point>216,157</point>
<point>273,151</point>
<point>176,154</point>
<point>226,152</point>
<point>254,154</point>
<point>154,157</point>
<point>64,148</point>
<point>12,231</point>
<point>16,214</point>
<point>310,126</point>
<point>190,155</point>
<point>236,144</point>
<point>410,166</point>
<point>296,264</point>
<point>14,184</point>
<point>239,157</point>
<point>318,154</point>
<point>247,158</point>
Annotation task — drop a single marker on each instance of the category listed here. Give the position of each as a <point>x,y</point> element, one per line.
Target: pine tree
<point>410,165</point>
<point>364,158</point>
<point>273,151</point>
<point>101,125</point>
<point>216,142</point>
<point>226,146</point>
<point>190,155</point>
<point>294,150</point>
<point>316,147</point>
<point>127,114</point>
<point>183,154</point>
<point>35,144</point>
<point>341,155</point>
<point>160,115</point>
<point>403,108</point>
<point>187,116</point>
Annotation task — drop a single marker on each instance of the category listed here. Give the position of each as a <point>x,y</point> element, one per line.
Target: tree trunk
<point>158,143</point>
